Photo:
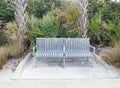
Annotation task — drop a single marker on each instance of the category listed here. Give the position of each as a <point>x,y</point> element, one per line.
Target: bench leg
<point>91,61</point>
<point>64,62</point>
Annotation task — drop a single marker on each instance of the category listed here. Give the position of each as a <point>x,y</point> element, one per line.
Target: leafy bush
<point>2,24</point>
<point>66,17</point>
<point>95,24</point>
<point>3,38</point>
<point>103,32</point>
<point>111,12</point>
<point>45,27</point>
<point>6,11</point>
<point>33,27</point>
<point>68,34</point>
<point>8,33</point>
<point>96,31</point>
<point>11,30</point>
<point>113,30</point>
<point>59,22</point>
<point>48,26</point>
<point>115,33</point>
<point>38,8</point>
<point>94,7</point>
<point>104,19</point>
<point>112,54</point>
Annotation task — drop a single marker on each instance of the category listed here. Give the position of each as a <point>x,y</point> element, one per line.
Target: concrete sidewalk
<point>91,83</point>
<point>73,71</point>
<point>25,69</point>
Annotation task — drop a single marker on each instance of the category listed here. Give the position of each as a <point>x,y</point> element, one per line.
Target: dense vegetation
<point>6,11</point>
<point>104,21</point>
<point>55,18</point>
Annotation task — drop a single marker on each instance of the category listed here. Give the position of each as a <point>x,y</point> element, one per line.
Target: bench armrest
<point>92,48</point>
<point>34,50</point>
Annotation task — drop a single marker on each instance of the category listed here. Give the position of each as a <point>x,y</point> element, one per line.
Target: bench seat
<point>84,54</point>
<point>49,54</point>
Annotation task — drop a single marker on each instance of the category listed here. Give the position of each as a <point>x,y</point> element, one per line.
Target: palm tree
<point>20,14</point>
<point>82,20</point>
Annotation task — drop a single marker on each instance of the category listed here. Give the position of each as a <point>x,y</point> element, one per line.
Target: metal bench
<point>63,48</point>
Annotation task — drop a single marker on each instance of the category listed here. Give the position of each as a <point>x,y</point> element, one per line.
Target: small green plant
<point>11,28</point>
<point>112,54</point>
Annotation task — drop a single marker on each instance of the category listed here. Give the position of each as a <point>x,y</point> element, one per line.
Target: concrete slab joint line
<point>96,83</point>
<point>21,67</point>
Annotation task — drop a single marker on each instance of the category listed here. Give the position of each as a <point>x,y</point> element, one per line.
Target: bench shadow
<point>69,63</point>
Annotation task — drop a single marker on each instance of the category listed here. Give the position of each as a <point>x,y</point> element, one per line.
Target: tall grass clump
<point>112,54</point>
<point>9,51</point>
<point>14,51</point>
<point>3,55</point>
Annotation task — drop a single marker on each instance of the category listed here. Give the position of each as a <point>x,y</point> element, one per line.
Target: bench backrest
<point>77,44</point>
<point>49,44</point>
<point>58,44</point>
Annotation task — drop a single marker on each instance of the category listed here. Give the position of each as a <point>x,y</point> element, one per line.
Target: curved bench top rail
<point>62,38</point>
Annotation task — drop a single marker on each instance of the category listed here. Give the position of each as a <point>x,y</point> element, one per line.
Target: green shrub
<point>11,31</point>
<point>68,34</point>
<point>95,30</point>
<point>115,33</point>
<point>39,8</point>
<point>45,27</point>
<point>103,21</point>
<point>2,24</point>
<point>33,27</point>
<point>113,30</point>
<point>48,26</point>
<point>3,38</point>
<point>6,11</point>
<point>66,18</point>
<point>111,12</point>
